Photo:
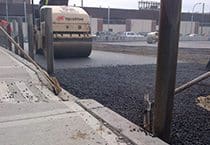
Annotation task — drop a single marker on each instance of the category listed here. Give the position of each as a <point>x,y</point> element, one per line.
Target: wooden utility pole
<point>166,67</point>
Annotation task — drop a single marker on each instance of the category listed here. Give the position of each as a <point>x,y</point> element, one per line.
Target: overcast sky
<point>133,4</point>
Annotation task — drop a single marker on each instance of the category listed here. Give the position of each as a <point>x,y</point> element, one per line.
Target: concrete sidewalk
<point>30,114</point>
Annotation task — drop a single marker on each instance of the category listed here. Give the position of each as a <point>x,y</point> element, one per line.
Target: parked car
<point>193,35</point>
<point>131,34</point>
<point>104,33</point>
<point>143,34</point>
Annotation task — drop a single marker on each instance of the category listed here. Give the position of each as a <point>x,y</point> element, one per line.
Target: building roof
<point>115,14</point>
<point>122,13</point>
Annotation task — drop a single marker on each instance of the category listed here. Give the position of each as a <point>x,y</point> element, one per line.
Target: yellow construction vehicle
<point>71,32</point>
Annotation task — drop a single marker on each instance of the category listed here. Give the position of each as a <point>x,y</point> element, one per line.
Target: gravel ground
<point>122,88</point>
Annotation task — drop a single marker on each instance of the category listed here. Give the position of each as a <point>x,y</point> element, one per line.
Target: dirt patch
<point>204,102</point>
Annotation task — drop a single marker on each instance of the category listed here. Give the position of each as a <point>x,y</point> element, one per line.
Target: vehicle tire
<point>149,40</point>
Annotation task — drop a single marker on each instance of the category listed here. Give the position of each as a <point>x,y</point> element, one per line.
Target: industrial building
<point>120,20</point>
<point>14,1</point>
<point>143,20</point>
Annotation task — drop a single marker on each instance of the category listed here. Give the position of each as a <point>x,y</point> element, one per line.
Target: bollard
<point>166,67</point>
<point>49,40</point>
<point>30,36</point>
<point>20,34</point>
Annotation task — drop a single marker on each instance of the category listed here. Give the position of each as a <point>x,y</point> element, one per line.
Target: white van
<point>131,34</point>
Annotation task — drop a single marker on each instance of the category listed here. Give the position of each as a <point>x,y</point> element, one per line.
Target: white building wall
<point>94,25</point>
<point>206,30</point>
<point>115,27</point>
<point>185,27</point>
<point>25,31</point>
<point>141,25</point>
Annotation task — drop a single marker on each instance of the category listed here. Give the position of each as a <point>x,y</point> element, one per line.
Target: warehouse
<point>121,20</point>
<point>143,21</point>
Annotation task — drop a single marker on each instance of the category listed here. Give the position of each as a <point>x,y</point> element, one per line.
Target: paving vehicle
<point>71,31</point>
<point>152,37</point>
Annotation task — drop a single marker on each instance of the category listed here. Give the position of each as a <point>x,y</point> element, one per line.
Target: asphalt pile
<point>122,89</point>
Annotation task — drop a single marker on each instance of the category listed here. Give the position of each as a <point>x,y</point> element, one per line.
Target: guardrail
<point>196,38</point>
<point>118,38</point>
<point>20,51</point>
<point>111,38</point>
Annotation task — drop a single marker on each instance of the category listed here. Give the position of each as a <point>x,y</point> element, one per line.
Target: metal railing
<point>20,51</point>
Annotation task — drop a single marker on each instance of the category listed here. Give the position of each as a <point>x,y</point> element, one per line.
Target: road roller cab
<point>71,32</point>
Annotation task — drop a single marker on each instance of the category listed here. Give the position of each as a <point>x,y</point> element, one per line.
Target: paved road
<point>99,59</point>
<point>182,44</point>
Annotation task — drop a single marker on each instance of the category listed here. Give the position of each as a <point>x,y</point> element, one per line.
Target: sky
<point>187,5</point>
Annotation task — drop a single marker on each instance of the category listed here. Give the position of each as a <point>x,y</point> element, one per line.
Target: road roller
<point>71,32</point>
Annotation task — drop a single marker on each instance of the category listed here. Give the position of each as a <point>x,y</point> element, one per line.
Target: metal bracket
<point>148,113</point>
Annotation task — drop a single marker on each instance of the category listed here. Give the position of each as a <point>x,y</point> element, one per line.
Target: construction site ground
<point>31,114</point>
<point>126,73</point>
<point>120,74</point>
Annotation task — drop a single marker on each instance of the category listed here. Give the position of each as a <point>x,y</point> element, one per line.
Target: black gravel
<point>122,88</point>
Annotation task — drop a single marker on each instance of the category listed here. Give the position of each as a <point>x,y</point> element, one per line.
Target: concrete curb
<point>120,125</point>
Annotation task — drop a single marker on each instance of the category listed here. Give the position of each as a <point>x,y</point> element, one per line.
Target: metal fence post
<point>20,34</point>
<point>208,66</point>
<point>30,36</point>
<point>166,67</point>
<point>49,40</point>
<point>15,34</point>
<point>8,43</point>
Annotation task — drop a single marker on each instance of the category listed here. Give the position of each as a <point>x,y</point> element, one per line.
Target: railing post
<point>166,67</point>
<point>8,43</point>
<point>20,34</point>
<point>16,35</point>
<point>49,40</point>
<point>30,36</point>
<point>14,24</point>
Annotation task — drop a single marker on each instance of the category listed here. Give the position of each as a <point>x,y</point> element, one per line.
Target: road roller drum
<point>72,47</point>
